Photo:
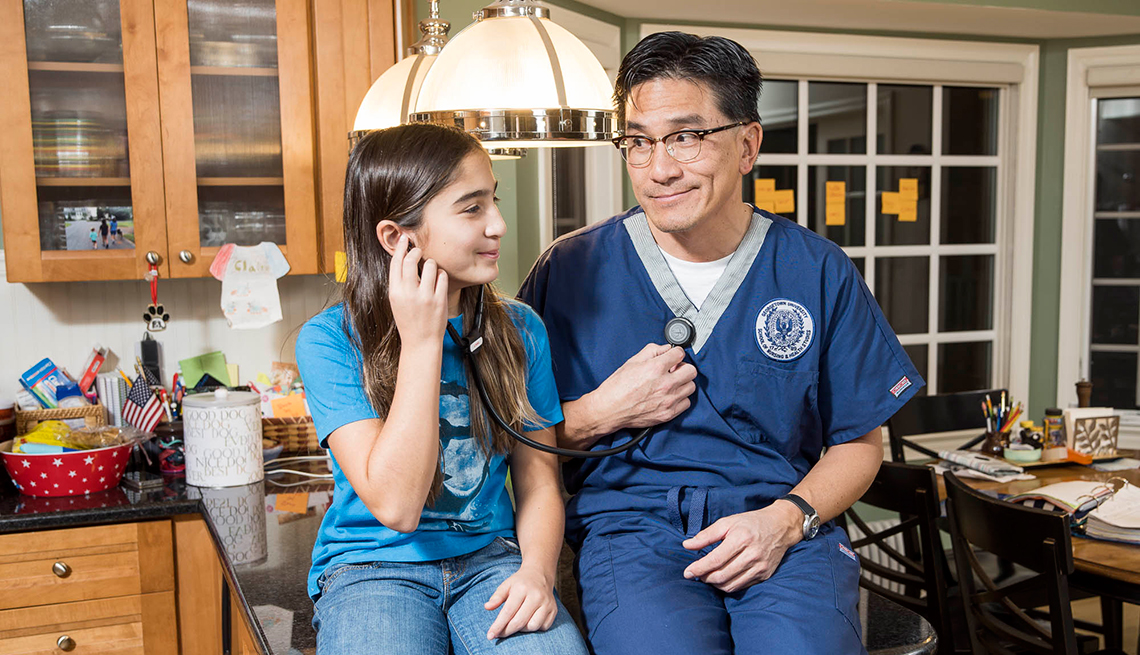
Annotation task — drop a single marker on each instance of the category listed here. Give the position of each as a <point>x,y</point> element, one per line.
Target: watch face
<point>813,527</point>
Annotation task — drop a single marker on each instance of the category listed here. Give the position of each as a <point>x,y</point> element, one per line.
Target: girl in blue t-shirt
<point>418,552</point>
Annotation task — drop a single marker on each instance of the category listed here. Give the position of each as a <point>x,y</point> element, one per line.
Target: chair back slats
<point>941,413</point>
<point>1038,540</point>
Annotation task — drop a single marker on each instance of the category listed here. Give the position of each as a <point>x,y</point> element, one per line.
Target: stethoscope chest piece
<point>681,332</point>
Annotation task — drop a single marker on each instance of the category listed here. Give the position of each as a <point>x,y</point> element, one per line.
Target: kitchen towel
<point>249,283</point>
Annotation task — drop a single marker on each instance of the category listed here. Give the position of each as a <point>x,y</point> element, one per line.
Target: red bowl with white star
<point>66,474</point>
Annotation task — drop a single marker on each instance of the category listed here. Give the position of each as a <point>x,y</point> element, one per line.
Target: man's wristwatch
<point>811,519</point>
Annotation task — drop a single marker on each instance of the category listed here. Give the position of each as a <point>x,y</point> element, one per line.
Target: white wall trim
<point>933,61</point>
<point>1088,69</point>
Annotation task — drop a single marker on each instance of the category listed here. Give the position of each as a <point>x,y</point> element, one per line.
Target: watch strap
<point>807,509</point>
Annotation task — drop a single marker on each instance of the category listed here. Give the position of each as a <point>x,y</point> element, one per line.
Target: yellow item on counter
<point>51,433</point>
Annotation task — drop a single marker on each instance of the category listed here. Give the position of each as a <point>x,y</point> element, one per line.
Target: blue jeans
<point>429,608</point>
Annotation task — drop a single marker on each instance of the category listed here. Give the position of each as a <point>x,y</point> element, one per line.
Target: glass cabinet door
<point>92,188</point>
<point>236,75</point>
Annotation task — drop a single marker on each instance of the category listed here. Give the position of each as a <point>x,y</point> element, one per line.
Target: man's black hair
<point>721,64</point>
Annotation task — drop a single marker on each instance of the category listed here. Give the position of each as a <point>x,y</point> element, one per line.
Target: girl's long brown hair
<point>392,175</point>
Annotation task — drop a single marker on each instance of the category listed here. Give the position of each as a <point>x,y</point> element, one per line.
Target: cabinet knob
<point>65,643</point>
<point>186,256</point>
<point>61,569</point>
<point>153,257</point>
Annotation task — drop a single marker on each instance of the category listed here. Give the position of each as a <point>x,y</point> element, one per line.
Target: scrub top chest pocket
<point>776,406</point>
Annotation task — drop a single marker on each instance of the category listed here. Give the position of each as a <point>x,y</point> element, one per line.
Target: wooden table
<point>1112,568</point>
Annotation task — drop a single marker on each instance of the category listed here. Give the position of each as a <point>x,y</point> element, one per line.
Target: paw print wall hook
<point>155,315</point>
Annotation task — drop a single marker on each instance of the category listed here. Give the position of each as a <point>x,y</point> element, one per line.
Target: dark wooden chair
<point>998,616</point>
<point>920,567</point>
<point>942,413</point>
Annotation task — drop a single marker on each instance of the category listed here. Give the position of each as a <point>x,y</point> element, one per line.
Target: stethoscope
<point>679,331</point>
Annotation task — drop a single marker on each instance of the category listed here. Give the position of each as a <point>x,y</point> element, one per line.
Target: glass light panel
<point>237,33</point>
<point>67,31</point>
<point>837,118</point>
<point>903,291</point>
<point>969,120</point>
<point>1115,313</point>
<point>893,229</point>
<point>969,204</point>
<point>905,115</point>
<point>965,366</point>
<point>853,232</point>
<point>966,293</point>
<point>779,109</point>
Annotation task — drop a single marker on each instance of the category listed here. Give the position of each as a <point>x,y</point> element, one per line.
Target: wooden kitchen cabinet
<point>106,589</point>
<point>192,124</point>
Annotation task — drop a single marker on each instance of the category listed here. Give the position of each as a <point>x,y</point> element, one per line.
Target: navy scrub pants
<point>635,598</point>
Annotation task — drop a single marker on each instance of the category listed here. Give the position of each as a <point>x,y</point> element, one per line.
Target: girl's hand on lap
<point>419,303</point>
<point>527,605</point>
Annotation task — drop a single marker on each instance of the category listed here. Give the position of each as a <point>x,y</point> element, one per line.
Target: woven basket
<point>93,416</point>
<point>297,433</point>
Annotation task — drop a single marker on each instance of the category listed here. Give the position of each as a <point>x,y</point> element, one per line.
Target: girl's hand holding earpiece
<point>419,302</point>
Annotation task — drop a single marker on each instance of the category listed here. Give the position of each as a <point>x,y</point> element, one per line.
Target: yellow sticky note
<point>291,405</point>
<point>836,213</point>
<point>836,191</point>
<point>764,186</point>
<point>340,263</point>
<point>785,201</point>
<point>890,202</point>
<point>295,503</point>
<point>767,205</point>
<point>908,213</point>
<point>232,369</point>
<point>908,188</point>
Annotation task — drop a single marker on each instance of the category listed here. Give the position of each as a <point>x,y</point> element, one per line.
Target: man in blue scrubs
<point>705,538</point>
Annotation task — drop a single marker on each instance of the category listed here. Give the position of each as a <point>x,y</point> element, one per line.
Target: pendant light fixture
<point>393,95</point>
<point>515,79</point>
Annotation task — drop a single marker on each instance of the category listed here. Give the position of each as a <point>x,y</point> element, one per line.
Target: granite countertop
<point>265,551</point>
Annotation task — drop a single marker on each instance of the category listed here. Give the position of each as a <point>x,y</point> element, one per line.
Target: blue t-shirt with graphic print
<point>473,507</point>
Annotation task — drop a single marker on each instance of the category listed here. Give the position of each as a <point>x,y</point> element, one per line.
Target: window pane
<point>1118,120</point>
<point>1116,187</point>
<point>969,121</point>
<point>781,177</point>
<point>917,354</point>
<point>853,231</point>
<point>892,229</point>
<point>904,119</point>
<point>860,263</point>
<point>1114,379</point>
<point>569,189</point>
<point>967,293</point>
<point>1115,311</point>
<point>964,366</point>
<point>779,106</point>
<point>969,201</point>
<point>903,291</point>
<point>837,118</point>
<point>1116,252</point>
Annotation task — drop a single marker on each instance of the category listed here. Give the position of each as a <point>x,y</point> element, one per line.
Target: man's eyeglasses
<point>682,145</point>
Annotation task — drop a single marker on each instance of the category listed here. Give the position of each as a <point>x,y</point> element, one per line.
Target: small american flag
<point>143,409</point>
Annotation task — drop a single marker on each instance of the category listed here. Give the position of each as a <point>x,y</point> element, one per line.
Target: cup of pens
<point>1000,419</point>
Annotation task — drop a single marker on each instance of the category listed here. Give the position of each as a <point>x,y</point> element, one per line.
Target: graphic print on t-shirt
<point>465,465</point>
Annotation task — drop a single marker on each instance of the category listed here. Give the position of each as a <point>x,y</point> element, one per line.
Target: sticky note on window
<point>836,191</point>
<point>765,186</point>
<point>836,213</point>
<point>785,201</point>
<point>908,188</point>
<point>908,212</point>
<point>890,202</point>
<point>766,205</point>
<point>295,503</point>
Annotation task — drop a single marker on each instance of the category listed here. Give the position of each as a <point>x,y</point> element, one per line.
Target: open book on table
<point>1105,510</point>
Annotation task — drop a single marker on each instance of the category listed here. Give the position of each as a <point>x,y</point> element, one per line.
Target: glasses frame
<point>700,134</point>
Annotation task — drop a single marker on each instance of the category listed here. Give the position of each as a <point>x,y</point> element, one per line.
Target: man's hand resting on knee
<point>752,545</point>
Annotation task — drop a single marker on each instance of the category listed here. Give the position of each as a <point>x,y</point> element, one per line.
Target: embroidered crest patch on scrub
<point>784,330</point>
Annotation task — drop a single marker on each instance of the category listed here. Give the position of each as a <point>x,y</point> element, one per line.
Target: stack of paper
<point>1118,519</point>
